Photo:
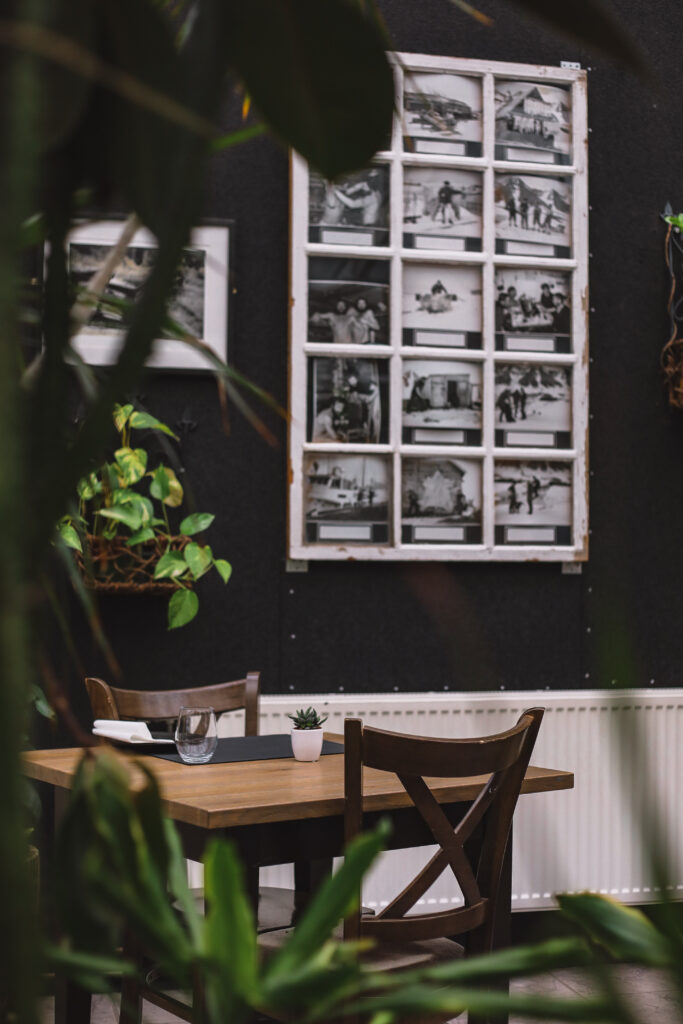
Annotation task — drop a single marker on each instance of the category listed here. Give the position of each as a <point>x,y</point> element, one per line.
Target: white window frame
<point>487,260</point>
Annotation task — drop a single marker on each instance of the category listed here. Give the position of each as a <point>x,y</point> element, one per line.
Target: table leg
<point>72,1003</point>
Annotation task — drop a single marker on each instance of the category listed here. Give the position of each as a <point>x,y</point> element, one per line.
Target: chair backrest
<point>112,702</point>
<point>474,849</point>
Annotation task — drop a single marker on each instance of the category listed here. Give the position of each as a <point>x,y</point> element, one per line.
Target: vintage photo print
<point>441,305</point>
<point>185,305</point>
<point>441,209</point>
<point>441,402</point>
<point>533,122</point>
<point>346,498</point>
<point>533,502</point>
<point>533,215</point>
<point>533,310</point>
<point>441,501</point>
<point>354,210</point>
<point>348,301</point>
<point>348,401</point>
<point>533,405</point>
<point>442,114</point>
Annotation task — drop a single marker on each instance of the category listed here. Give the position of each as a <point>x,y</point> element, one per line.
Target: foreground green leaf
<point>144,420</point>
<point>623,931</point>
<point>224,568</point>
<point>182,608</point>
<point>199,559</point>
<point>171,565</point>
<point>132,462</point>
<point>129,515</point>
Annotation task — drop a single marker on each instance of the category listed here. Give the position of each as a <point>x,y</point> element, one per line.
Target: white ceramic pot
<point>307,744</point>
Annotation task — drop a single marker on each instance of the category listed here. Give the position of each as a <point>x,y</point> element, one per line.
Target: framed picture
<point>439,349</point>
<point>199,303</point>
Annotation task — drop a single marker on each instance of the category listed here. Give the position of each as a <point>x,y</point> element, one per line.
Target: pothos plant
<point>122,534</point>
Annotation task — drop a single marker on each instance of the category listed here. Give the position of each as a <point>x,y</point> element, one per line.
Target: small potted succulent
<point>307,734</point>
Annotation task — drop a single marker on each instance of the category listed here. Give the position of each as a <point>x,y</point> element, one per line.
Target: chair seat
<point>383,957</point>
<point>277,907</point>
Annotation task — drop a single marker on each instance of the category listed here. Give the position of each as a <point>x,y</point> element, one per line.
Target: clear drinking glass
<point>195,735</point>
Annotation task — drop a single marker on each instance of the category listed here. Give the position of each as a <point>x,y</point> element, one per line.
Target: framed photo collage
<point>438,382</point>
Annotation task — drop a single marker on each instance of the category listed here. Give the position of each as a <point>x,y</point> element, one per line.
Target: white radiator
<point>625,749</point>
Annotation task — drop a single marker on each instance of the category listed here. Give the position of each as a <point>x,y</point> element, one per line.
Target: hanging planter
<point>122,539</point>
<point>113,567</point>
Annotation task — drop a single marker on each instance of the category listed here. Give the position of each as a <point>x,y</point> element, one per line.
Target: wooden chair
<point>473,849</point>
<point>155,705</point>
<point>277,908</point>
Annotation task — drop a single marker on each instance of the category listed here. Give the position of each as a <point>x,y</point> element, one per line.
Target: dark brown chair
<point>474,849</point>
<point>155,705</point>
<point>277,908</point>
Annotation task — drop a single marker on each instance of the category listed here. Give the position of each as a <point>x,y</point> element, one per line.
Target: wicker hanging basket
<point>111,567</point>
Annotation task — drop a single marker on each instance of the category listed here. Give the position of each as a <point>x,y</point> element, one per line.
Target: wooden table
<point>283,810</point>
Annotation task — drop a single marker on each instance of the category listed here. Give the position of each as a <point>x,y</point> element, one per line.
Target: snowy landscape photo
<point>533,493</point>
<point>533,209</point>
<point>441,203</point>
<point>533,397</point>
<point>535,118</point>
<point>442,113</point>
<point>438,297</point>
<point>441,394</point>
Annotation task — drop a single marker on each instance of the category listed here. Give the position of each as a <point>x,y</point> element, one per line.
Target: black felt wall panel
<point>367,627</point>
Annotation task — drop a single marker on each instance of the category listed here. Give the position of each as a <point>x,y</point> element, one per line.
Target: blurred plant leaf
<point>69,535</point>
<point>122,414</point>
<point>623,931</point>
<point>132,463</point>
<point>324,111</point>
<point>199,558</point>
<point>130,515</point>
<point>592,24</point>
<point>141,536</point>
<point>224,569</point>
<point>182,608</point>
<point>143,420</point>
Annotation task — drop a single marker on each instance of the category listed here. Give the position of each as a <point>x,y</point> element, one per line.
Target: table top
<point>215,796</point>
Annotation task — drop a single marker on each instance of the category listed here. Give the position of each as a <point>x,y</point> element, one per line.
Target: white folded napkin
<point>127,732</point>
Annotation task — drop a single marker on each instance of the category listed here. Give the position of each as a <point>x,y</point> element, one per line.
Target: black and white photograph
<point>198,303</point>
<point>442,209</point>
<point>441,305</point>
<point>441,402</point>
<point>533,405</point>
<point>533,215</point>
<point>533,502</point>
<point>441,501</point>
<point>533,310</point>
<point>353,210</point>
<point>348,301</point>
<point>185,306</point>
<point>348,401</point>
<point>533,122</point>
<point>346,498</point>
<point>442,113</point>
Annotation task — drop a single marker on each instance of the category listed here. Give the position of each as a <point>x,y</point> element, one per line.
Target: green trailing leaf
<point>199,559</point>
<point>144,420</point>
<point>40,702</point>
<point>623,931</point>
<point>224,568</point>
<point>141,536</point>
<point>160,487</point>
<point>88,487</point>
<point>308,44</point>
<point>69,535</point>
<point>182,608</point>
<point>125,496</point>
<point>130,515</point>
<point>171,565</point>
<point>132,462</point>
<point>175,495</point>
<point>196,523</point>
<point>122,414</point>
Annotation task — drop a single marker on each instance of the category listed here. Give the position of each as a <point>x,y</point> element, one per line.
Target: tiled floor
<point>647,992</point>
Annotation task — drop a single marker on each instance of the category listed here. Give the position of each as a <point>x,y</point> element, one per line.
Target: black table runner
<point>252,748</point>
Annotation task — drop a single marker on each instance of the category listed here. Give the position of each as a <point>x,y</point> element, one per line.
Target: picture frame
<point>462,285</point>
<point>201,300</point>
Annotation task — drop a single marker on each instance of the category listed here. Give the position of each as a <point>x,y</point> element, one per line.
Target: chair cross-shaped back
<point>477,867</point>
<point>112,702</point>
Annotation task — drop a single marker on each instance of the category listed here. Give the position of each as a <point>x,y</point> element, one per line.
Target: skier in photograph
<point>524,213</point>
<point>561,314</point>
<point>513,501</point>
<point>522,403</point>
<point>537,222</point>
<point>444,204</point>
<point>504,404</point>
<point>413,504</point>
<point>530,495</point>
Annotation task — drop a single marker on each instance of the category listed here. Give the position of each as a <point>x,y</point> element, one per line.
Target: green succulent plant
<point>307,719</point>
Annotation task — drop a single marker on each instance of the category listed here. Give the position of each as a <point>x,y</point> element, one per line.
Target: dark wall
<point>367,627</point>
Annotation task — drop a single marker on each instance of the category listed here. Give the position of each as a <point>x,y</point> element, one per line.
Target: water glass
<point>195,735</point>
